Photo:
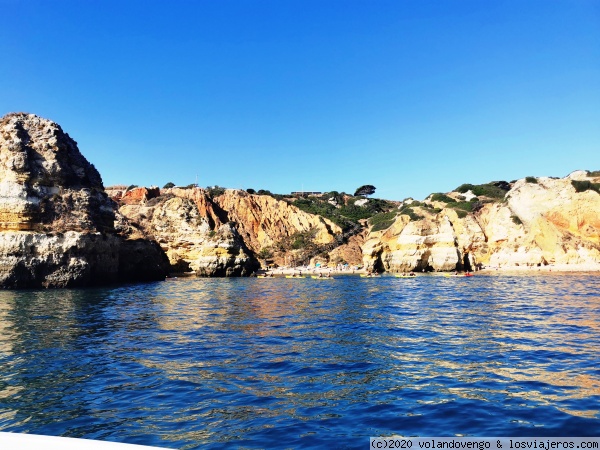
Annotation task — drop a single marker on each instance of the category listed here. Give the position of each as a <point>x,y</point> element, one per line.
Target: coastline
<point>549,268</point>
<point>520,270</point>
<point>311,271</point>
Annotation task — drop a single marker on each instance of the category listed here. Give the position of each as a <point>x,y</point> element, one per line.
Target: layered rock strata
<point>56,221</point>
<point>539,222</point>
<point>263,220</point>
<point>220,236</point>
<point>193,237</point>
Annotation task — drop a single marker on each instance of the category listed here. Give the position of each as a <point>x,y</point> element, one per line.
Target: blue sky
<point>411,96</point>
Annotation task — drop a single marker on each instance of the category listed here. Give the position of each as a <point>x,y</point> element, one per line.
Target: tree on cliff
<point>367,189</point>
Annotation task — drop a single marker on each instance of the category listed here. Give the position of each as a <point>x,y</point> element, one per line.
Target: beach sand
<point>521,270</point>
<point>548,268</point>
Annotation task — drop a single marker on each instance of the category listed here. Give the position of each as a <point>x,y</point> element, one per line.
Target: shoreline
<point>512,270</point>
<point>548,268</point>
<point>556,268</point>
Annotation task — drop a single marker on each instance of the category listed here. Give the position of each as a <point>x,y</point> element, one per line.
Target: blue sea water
<point>303,363</point>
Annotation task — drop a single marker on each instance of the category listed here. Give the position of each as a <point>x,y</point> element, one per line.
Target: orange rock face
<point>139,195</point>
<point>206,207</point>
<point>263,220</point>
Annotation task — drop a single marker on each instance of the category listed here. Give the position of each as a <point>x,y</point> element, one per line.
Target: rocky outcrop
<point>541,221</point>
<point>46,184</point>
<point>349,252</point>
<point>193,239</point>
<point>132,196</point>
<point>56,221</point>
<point>430,243</point>
<point>214,215</point>
<point>220,236</point>
<point>263,220</point>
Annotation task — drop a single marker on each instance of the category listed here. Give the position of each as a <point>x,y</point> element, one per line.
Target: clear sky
<point>412,96</point>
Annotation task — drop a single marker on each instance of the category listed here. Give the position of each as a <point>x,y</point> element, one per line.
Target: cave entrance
<point>423,264</point>
<point>378,265</point>
<point>467,263</point>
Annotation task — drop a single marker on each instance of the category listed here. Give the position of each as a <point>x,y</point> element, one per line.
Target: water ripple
<point>285,363</point>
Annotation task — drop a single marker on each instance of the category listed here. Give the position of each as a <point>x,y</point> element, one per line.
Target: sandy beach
<point>521,270</point>
<point>304,270</point>
<point>548,268</point>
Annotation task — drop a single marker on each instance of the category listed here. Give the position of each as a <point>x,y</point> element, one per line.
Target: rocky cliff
<point>189,230</point>
<point>218,236</point>
<point>56,221</point>
<point>264,221</point>
<point>536,222</point>
<point>526,223</point>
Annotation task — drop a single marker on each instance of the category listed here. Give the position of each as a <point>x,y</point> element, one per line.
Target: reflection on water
<point>301,363</point>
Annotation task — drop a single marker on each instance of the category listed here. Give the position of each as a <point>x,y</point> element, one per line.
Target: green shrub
<point>492,190</point>
<point>355,213</point>
<point>516,220</point>
<point>463,206</point>
<point>346,215</point>
<point>461,214</point>
<point>439,197</point>
<point>582,186</point>
<point>131,186</point>
<point>382,221</point>
<point>215,191</point>
<point>303,239</point>
<point>250,191</point>
<point>463,188</point>
<point>593,173</point>
<point>335,195</point>
<point>169,185</point>
<point>407,210</point>
<point>265,253</point>
<point>531,180</point>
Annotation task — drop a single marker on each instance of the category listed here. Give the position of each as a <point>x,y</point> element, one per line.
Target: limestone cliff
<point>184,223</point>
<point>539,222</point>
<point>263,220</point>
<point>56,221</point>
<point>217,236</point>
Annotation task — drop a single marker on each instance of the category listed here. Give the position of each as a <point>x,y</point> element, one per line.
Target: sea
<point>302,363</point>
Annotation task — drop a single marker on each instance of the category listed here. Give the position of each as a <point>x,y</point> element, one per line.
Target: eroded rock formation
<point>539,222</point>
<point>263,220</point>
<point>193,236</point>
<point>56,221</point>
<point>220,236</point>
